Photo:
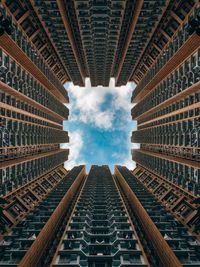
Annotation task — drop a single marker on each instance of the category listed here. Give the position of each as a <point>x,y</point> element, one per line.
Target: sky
<point>99,125</point>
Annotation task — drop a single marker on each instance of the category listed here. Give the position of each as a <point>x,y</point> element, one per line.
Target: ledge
<point>8,45</point>
<point>13,162</point>
<point>186,162</point>
<point>175,61</point>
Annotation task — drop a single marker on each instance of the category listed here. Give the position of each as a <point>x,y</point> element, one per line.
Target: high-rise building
<point>97,220</point>
<point>41,212</point>
<point>32,113</point>
<point>53,217</point>
<point>167,110</point>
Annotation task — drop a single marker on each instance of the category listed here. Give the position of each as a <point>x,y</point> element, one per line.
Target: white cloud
<point>129,163</point>
<point>88,101</point>
<point>75,146</point>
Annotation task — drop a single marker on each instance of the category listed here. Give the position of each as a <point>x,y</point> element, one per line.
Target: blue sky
<point>99,125</point>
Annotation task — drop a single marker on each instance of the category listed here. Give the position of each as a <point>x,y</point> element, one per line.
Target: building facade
<point>32,114</point>
<point>97,220</point>
<point>168,113</point>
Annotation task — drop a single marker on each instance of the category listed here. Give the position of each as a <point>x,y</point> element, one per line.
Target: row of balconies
<point>169,27</point>
<point>189,100</point>
<point>15,133</point>
<point>24,233</point>
<point>179,239</point>
<point>50,14</point>
<point>184,117</point>
<point>180,174</point>
<point>13,75</point>
<point>17,175</point>
<point>14,207</point>
<point>166,55</point>
<point>185,133</point>
<point>14,102</point>
<point>190,153</point>
<point>18,10</point>
<point>9,153</point>
<point>99,226</point>
<point>22,41</point>
<point>177,201</point>
<point>149,14</point>
<point>22,117</point>
<point>177,81</point>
